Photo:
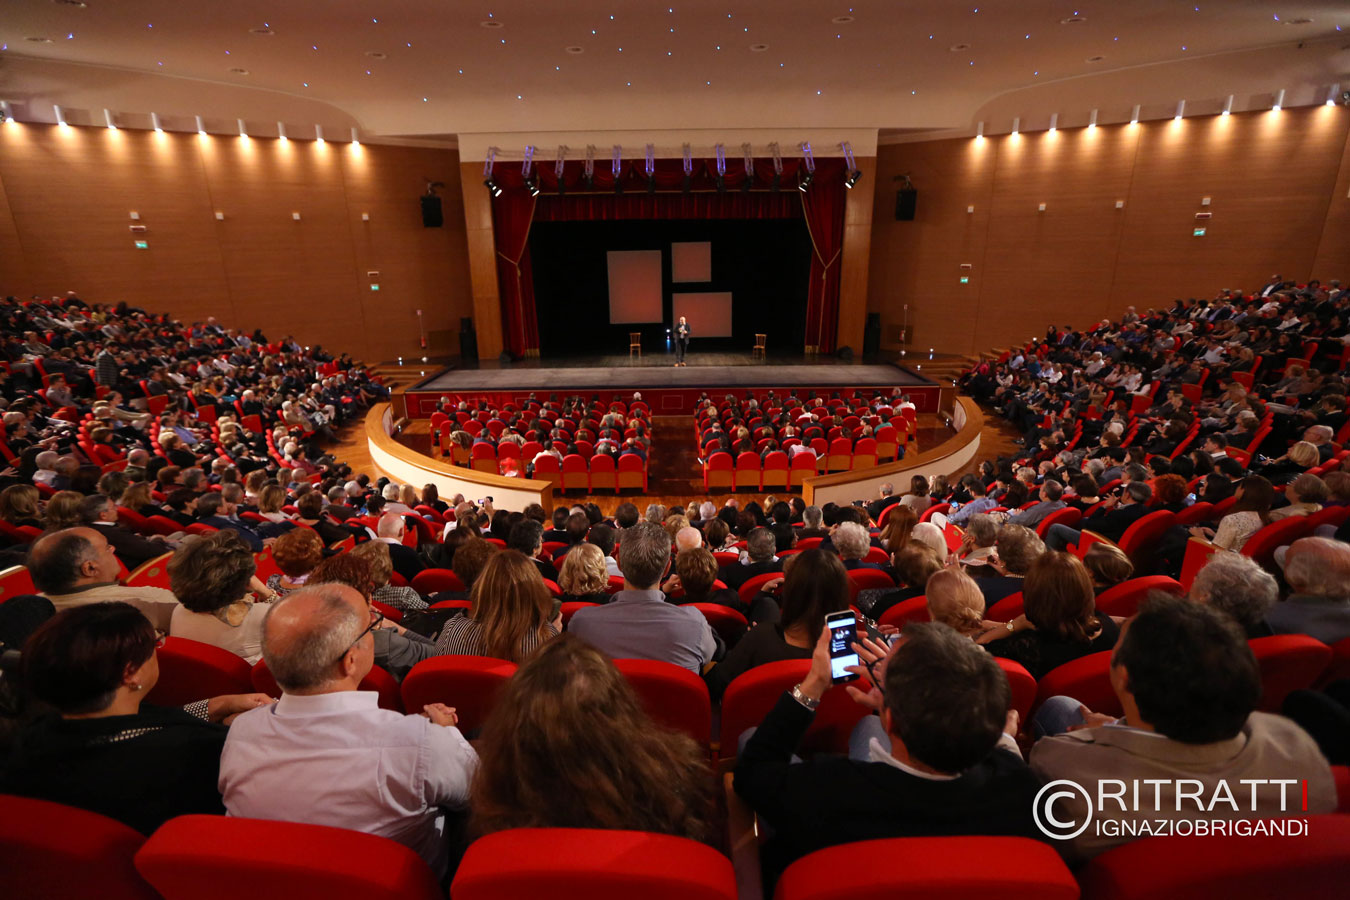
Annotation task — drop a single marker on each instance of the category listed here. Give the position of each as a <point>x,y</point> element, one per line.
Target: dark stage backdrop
<point>764,263</point>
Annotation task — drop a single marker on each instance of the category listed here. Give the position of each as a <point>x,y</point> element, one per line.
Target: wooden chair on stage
<point>635,343</point>
<point>759,350</point>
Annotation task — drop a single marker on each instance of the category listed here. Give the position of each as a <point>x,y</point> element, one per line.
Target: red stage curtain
<point>514,211</point>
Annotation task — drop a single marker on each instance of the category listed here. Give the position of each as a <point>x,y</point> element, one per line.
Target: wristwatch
<point>1010,626</point>
<point>804,700</point>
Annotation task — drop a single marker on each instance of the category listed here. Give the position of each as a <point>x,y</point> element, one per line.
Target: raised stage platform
<point>666,389</point>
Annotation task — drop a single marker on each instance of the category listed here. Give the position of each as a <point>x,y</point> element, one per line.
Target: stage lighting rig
<point>650,166</point>
<point>749,161</point>
<point>688,166</point>
<point>588,171</point>
<point>527,172</point>
<point>488,181</point>
<point>721,152</point>
<point>616,166</point>
<point>558,168</point>
<point>854,173</point>
<point>809,167</point>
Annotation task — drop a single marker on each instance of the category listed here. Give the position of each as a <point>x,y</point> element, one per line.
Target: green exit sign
<point>374,287</point>
<point>965,279</point>
<point>1199,232</point>
<point>142,245</point>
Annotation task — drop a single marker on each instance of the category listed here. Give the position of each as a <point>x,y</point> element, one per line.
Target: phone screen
<point>843,635</point>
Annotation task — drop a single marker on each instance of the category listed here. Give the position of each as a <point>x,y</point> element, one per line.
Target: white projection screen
<point>709,315</point>
<point>634,286</point>
<point>691,262</point>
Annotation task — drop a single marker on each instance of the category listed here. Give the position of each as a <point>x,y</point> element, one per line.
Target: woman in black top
<point>1061,622</point>
<point>814,584</point>
<point>99,750</point>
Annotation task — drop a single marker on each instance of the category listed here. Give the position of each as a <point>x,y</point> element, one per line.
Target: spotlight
<point>649,166</point>
<point>1227,106</point>
<point>721,178</point>
<point>616,167</point>
<point>853,178</point>
<point>5,112</point>
<point>809,166</point>
<point>532,185</point>
<point>805,180</point>
<point>1279,101</point>
<point>854,173</point>
<point>493,188</point>
<point>1331,94</point>
<point>154,121</point>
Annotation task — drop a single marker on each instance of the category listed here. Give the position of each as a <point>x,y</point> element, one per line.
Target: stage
<point>667,390</point>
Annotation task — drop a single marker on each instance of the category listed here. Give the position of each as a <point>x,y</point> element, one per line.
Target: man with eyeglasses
<point>326,754</point>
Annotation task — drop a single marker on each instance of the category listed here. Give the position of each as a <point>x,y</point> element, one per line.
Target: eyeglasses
<point>376,617</point>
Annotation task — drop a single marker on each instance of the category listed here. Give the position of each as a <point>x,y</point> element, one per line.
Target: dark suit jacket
<point>248,534</point>
<point>131,548</point>
<point>1111,524</point>
<point>406,561</point>
<point>733,575</point>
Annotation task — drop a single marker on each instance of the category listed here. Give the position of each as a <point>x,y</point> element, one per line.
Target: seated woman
<point>1107,565</point>
<point>695,572</point>
<point>900,521</point>
<point>1248,515</point>
<point>584,577</point>
<point>19,505</point>
<point>512,613</point>
<point>914,564</point>
<point>376,555</point>
<point>63,511</point>
<point>570,703</point>
<point>1169,493</point>
<point>814,583</point>
<point>917,499</point>
<point>954,599</point>
<point>1061,622</point>
<point>99,750</point>
<point>1301,457</point>
<point>211,576</point>
<point>296,553</point>
<point>271,499</point>
<point>1305,494</point>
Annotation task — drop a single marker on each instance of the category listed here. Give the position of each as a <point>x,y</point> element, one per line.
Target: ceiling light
<point>1279,100</point>
<point>1228,106</point>
<point>1017,123</point>
<point>60,116</point>
<point>355,140</point>
<point>1134,115</point>
<point>242,132</point>
<point>1181,111</point>
<point>154,122</point>
<point>1054,121</point>
<point>1092,119</point>
<point>107,117</point>
<point>201,126</point>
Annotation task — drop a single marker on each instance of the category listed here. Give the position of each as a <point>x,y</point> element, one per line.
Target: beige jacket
<point>158,604</point>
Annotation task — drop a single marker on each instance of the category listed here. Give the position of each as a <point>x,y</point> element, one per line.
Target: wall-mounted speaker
<point>906,202</point>
<point>432,217</point>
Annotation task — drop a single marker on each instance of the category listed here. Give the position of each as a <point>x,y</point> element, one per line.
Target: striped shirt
<point>463,636</point>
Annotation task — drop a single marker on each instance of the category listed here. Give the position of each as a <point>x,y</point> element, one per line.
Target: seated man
<point>759,559</point>
<point>637,623</point>
<point>1111,520</point>
<point>940,760</point>
<point>76,566</point>
<point>1318,572</point>
<point>1189,686</point>
<point>527,537</point>
<point>326,754</point>
<point>100,512</point>
<point>390,530</point>
<point>214,510</point>
<point>1051,492</point>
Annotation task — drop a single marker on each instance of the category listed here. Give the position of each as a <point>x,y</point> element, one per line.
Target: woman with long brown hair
<point>1061,622</point>
<point>1248,515</point>
<point>900,521</point>
<point>622,770</point>
<point>511,616</point>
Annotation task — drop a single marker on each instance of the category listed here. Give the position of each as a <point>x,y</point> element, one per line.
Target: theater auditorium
<point>703,450</point>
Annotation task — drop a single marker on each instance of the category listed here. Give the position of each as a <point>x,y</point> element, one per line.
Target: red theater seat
<point>49,851</point>
<point>191,671</point>
<point>1288,662</point>
<point>1086,679</point>
<point>672,695</point>
<point>468,683</point>
<point>604,475</point>
<point>948,868</point>
<point>533,863</point>
<point>753,693</point>
<point>719,472</point>
<point>1124,598</point>
<point>747,471</point>
<point>225,858</point>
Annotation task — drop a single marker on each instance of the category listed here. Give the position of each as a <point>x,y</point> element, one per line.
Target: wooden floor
<point>675,477</point>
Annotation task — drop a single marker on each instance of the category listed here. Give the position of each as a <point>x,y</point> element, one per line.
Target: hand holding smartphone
<point>843,628</point>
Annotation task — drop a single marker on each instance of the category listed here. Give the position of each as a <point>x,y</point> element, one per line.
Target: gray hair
<point>812,516</point>
<point>391,492</point>
<point>1236,585</point>
<point>707,510</point>
<point>643,553</point>
<point>308,656</point>
<point>761,545</point>
<point>656,513</point>
<point>851,540</point>
<point>1319,567</point>
<point>983,530</point>
<point>1019,547</point>
<point>352,488</point>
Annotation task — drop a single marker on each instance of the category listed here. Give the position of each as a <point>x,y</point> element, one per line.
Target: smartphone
<point>843,628</point>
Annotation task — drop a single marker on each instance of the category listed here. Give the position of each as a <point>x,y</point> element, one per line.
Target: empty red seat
<point>864,579</point>
<point>839,457</point>
<point>468,683</point>
<point>719,472</point>
<point>804,466</point>
<point>50,851</point>
<point>191,671</point>
<point>1086,679</point>
<point>747,471</point>
<point>672,695</point>
<point>226,858</point>
<point>604,475</point>
<point>1312,864</point>
<point>483,458</point>
<point>531,863</point>
<point>865,453</point>
<point>776,470</point>
<point>575,474</point>
<point>1010,868</point>
<point>632,472</point>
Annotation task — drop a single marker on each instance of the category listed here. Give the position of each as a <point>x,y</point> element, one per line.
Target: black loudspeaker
<point>431,211</point>
<point>468,339</point>
<point>906,202</point>
<point>845,353</point>
<point>872,334</point>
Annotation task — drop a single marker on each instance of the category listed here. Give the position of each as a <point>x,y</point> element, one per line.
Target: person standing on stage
<point>681,341</point>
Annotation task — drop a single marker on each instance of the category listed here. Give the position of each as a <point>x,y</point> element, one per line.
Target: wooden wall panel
<point>856,259</point>
<point>69,192</point>
<point>420,268</point>
<point>482,250</point>
<point>918,263</point>
<point>1269,176</point>
<point>1277,183</point>
<point>1060,261</point>
<point>1333,254</point>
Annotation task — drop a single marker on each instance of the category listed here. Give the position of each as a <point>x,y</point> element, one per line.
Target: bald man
<point>390,530</point>
<point>1318,571</point>
<point>688,538</point>
<point>77,566</point>
<point>326,753</point>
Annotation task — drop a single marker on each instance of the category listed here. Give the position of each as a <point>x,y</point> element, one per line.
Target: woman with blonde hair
<point>376,554</point>
<point>584,577</point>
<point>1108,566</point>
<point>19,505</point>
<point>511,614</point>
<point>63,511</point>
<point>623,770</point>
<point>137,497</point>
<point>954,599</point>
<point>409,497</point>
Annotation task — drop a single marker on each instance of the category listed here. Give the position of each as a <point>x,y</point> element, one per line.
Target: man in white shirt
<point>326,754</point>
